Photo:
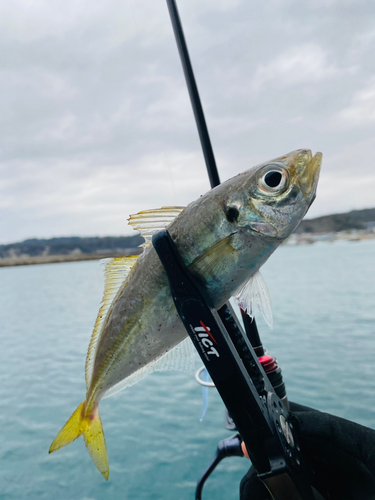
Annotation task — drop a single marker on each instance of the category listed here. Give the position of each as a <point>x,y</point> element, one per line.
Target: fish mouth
<point>308,170</point>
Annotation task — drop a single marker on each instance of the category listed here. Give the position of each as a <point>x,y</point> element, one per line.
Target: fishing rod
<point>200,120</point>
<point>252,389</point>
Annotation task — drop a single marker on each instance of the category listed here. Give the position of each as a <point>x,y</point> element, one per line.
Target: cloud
<point>66,198</point>
<point>347,179</point>
<point>96,121</point>
<point>361,111</point>
<point>305,64</point>
<point>344,193</point>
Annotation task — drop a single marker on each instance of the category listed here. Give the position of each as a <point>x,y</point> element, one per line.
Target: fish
<point>223,238</point>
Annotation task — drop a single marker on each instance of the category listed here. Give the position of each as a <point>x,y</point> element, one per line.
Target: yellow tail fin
<point>91,428</point>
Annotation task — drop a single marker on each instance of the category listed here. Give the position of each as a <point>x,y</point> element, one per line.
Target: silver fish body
<point>224,237</point>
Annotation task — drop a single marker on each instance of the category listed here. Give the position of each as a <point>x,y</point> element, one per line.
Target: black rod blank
<point>199,117</point>
<point>194,95</point>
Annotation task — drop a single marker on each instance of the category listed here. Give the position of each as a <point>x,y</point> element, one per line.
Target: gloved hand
<point>341,454</point>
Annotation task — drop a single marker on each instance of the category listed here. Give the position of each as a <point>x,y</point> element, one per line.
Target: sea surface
<point>323,299</point>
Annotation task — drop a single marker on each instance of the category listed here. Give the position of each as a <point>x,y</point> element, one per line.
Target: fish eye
<point>274,180</point>
<point>232,214</point>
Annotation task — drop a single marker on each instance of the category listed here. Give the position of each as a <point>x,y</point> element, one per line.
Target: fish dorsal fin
<point>254,295</point>
<point>150,222</point>
<point>115,271</point>
<point>181,357</point>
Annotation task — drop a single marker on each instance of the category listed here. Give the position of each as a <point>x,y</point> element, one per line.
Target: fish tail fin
<point>95,442</point>
<point>91,428</point>
<point>71,430</point>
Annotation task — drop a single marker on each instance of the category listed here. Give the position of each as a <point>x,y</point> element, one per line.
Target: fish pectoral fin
<point>150,222</point>
<point>219,258</point>
<point>254,295</point>
<point>91,428</point>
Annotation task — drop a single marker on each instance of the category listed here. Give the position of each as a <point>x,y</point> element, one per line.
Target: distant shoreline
<point>55,259</point>
<point>351,226</point>
<point>294,240</point>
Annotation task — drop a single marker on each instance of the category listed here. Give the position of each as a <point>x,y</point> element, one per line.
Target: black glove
<point>341,454</point>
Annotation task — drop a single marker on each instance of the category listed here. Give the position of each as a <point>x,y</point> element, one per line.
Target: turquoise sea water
<point>324,338</point>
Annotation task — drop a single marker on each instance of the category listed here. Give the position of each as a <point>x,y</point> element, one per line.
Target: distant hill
<point>70,246</point>
<point>356,219</point>
<point>39,251</point>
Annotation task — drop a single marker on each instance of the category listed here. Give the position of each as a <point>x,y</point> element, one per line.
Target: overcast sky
<point>96,123</point>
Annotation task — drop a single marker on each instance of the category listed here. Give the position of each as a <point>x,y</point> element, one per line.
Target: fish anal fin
<point>181,357</point>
